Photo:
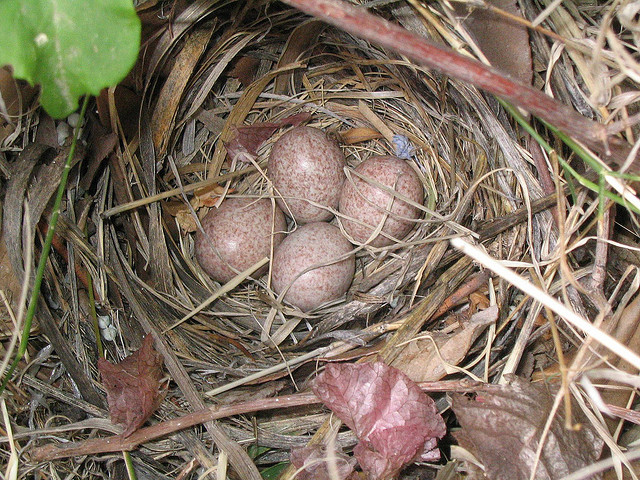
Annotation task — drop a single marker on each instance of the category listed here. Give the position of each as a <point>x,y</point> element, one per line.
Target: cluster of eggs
<point>315,264</point>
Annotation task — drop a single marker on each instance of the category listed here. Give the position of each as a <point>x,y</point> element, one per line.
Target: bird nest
<point>218,74</point>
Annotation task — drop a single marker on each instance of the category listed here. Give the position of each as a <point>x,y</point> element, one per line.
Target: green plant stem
<point>92,309</point>
<point>96,330</point>
<point>46,248</point>
<point>583,154</point>
<point>128,461</point>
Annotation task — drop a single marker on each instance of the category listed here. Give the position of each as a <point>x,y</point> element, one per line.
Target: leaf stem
<point>46,248</point>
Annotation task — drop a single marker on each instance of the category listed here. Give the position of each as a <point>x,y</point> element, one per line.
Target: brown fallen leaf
<point>164,115</point>
<point>300,42</point>
<point>245,69</point>
<point>359,135</point>
<point>17,97</point>
<point>396,423</point>
<point>11,287</point>
<point>133,386</point>
<point>503,428</point>
<point>426,360</point>
<point>204,197</point>
<point>248,138</point>
<point>504,42</point>
<point>127,108</point>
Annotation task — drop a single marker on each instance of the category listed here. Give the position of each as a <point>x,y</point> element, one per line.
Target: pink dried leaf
<point>394,420</point>
<point>313,461</point>
<point>248,138</point>
<point>133,386</point>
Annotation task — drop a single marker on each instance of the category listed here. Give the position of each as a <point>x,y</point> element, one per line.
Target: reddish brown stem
<point>363,24</point>
<point>119,443</point>
<point>548,186</point>
<point>465,290</point>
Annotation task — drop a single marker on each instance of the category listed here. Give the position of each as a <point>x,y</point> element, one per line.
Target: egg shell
<point>313,244</point>
<point>238,234</point>
<point>366,203</point>
<point>306,165</point>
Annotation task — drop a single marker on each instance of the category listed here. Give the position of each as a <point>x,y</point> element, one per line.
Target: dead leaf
<point>209,196</point>
<point>359,135</point>
<point>502,429</point>
<point>302,39</point>
<point>133,386</point>
<point>127,108</point>
<point>211,121</point>
<point>186,221</point>
<point>504,42</point>
<point>11,287</point>
<point>204,197</point>
<point>426,360</point>
<point>246,139</point>
<point>17,97</point>
<point>313,460</point>
<point>164,115</point>
<point>245,69</point>
<point>396,422</point>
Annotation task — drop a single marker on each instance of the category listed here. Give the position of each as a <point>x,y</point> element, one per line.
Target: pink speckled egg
<point>313,244</point>
<point>238,234</point>
<point>307,166</point>
<point>365,205</point>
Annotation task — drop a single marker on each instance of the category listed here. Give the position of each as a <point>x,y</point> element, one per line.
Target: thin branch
<point>378,31</point>
<point>116,443</point>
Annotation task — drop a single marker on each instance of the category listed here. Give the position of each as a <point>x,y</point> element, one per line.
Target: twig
<point>464,291</point>
<point>117,443</point>
<point>548,186</point>
<point>365,25</point>
<point>570,316</point>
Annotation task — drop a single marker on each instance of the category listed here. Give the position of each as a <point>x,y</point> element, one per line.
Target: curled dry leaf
<point>396,422</point>
<point>204,197</point>
<point>426,359</point>
<point>133,386</point>
<point>359,135</point>
<point>247,139</point>
<point>503,428</point>
<point>314,461</point>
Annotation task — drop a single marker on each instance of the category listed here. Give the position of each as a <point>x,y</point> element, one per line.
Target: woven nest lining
<point>362,96</point>
<point>340,104</point>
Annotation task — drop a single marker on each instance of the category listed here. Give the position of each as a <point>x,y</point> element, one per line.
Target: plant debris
<point>503,429</point>
<point>133,386</point>
<point>248,138</point>
<point>319,462</point>
<point>396,423</point>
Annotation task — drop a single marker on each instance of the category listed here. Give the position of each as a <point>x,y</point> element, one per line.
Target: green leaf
<point>273,472</point>
<point>70,47</point>
<point>254,451</point>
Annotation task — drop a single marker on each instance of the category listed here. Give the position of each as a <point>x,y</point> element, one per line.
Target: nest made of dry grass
<point>237,342</point>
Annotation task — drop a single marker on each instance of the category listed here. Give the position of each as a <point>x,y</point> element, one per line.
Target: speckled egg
<point>238,234</point>
<point>365,204</point>
<point>310,245</point>
<point>307,166</point>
